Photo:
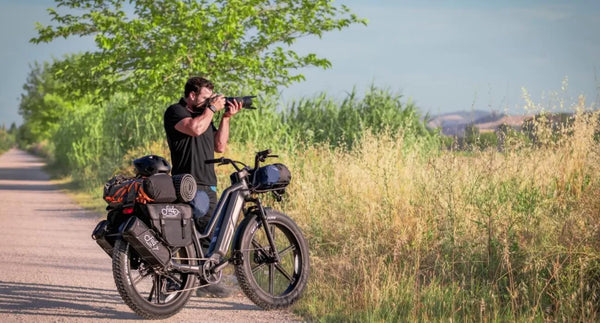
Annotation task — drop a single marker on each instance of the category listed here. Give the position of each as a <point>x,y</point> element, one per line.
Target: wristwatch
<point>213,108</point>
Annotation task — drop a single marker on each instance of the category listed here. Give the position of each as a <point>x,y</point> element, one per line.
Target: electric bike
<point>159,256</point>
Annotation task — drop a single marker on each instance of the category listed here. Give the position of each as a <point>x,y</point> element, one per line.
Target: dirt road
<point>52,271</point>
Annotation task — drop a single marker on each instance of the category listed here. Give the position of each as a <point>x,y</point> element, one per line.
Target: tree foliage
<point>41,105</point>
<point>148,47</point>
<point>322,119</point>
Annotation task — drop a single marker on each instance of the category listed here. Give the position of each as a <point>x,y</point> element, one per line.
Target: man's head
<point>197,91</point>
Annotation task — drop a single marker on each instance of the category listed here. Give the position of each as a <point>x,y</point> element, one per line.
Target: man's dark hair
<point>194,84</point>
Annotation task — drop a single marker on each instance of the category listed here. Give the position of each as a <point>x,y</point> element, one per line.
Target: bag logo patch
<point>151,242</point>
<point>170,211</point>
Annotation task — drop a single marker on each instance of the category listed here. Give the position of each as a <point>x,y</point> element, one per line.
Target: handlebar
<point>214,161</point>
<point>244,171</point>
<point>261,156</point>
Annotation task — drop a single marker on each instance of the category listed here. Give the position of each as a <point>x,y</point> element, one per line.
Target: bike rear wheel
<point>148,293</point>
<point>269,283</point>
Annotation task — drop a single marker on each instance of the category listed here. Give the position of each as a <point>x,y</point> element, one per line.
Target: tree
<point>471,134</point>
<point>40,106</point>
<point>149,47</point>
<point>13,129</point>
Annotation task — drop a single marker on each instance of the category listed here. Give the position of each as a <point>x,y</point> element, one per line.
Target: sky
<point>442,55</point>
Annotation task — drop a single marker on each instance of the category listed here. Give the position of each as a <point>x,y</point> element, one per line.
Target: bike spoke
<point>286,250</point>
<point>159,285</point>
<point>175,279</point>
<point>283,272</point>
<point>152,291</point>
<point>156,289</point>
<point>255,269</point>
<point>258,247</point>
<point>138,279</point>
<point>271,278</point>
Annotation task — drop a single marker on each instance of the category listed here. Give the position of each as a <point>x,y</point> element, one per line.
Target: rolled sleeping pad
<point>185,187</point>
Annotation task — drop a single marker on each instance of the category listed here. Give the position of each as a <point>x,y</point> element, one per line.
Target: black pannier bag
<point>173,222</point>
<point>272,177</point>
<point>159,187</point>
<point>99,234</point>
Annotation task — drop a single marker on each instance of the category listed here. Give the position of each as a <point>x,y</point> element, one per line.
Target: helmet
<point>150,165</point>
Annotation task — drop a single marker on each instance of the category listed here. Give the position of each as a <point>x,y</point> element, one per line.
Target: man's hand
<point>218,101</point>
<point>233,107</point>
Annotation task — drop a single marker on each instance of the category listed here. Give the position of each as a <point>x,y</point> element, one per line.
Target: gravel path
<point>52,271</point>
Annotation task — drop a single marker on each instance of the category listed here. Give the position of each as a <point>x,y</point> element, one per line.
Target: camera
<point>246,100</point>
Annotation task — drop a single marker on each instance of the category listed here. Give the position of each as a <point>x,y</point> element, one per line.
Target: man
<point>192,139</point>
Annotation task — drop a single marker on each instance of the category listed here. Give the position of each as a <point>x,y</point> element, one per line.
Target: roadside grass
<point>401,231</point>
<point>399,234</point>
<point>88,199</point>
<point>404,233</point>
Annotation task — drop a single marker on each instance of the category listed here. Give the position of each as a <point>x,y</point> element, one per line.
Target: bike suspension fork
<point>263,219</point>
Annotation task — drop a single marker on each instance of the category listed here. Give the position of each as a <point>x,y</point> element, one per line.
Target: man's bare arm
<point>195,126</point>
<point>222,135</point>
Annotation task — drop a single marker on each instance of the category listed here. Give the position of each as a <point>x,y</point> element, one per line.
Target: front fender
<point>251,217</point>
<point>237,238</point>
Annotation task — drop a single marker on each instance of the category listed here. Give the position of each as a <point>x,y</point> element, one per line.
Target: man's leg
<point>204,205</point>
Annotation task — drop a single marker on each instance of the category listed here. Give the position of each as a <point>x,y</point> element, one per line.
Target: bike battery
<point>145,242</point>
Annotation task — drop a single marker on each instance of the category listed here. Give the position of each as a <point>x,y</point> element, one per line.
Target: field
<point>401,228</point>
<point>400,233</point>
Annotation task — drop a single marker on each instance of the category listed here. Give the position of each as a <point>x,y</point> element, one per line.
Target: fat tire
<point>121,268</point>
<point>243,270</point>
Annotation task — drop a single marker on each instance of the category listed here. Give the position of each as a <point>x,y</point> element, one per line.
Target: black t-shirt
<point>189,153</point>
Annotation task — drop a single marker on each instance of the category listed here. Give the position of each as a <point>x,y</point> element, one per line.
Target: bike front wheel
<point>269,282</point>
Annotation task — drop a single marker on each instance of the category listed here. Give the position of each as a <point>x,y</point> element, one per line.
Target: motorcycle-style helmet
<point>150,165</point>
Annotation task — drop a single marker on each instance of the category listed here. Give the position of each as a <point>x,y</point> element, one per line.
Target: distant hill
<point>453,124</point>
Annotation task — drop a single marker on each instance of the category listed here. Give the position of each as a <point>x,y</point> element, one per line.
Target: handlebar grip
<point>264,152</point>
<point>214,161</point>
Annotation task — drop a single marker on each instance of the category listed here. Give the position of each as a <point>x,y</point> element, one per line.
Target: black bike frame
<point>222,225</point>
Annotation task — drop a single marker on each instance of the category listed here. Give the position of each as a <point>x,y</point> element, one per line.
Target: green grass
<point>399,228</point>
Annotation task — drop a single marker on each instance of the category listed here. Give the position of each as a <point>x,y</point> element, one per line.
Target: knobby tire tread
<point>121,282</point>
<point>245,280</point>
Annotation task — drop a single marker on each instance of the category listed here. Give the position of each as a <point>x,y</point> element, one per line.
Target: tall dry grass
<point>401,232</point>
<point>398,234</point>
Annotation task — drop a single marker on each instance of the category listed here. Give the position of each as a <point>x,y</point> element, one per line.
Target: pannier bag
<point>173,222</point>
<point>99,234</point>
<point>272,177</point>
<point>159,187</point>
<point>124,191</point>
<point>185,187</point>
